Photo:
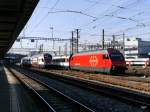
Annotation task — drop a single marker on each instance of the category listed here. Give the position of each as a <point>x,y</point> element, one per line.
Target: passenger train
<point>40,60</point>
<point>105,61</point>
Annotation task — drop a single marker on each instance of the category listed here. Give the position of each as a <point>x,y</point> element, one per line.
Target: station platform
<point>13,97</point>
<point>5,105</point>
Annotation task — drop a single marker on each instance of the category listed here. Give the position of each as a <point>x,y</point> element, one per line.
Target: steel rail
<point>22,80</point>
<point>119,93</point>
<point>87,109</point>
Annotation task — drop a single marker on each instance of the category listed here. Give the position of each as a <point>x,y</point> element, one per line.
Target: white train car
<point>41,60</point>
<point>138,61</point>
<point>26,61</point>
<point>60,62</point>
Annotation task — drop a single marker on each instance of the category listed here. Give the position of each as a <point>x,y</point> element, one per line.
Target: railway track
<point>55,100</point>
<point>129,97</point>
<point>119,93</point>
<point>135,83</point>
<point>117,76</point>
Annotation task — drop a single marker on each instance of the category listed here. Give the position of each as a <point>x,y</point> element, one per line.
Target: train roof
<point>60,57</point>
<point>25,58</point>
<point>91,52</point>
<point>41,54</point>
<point>103,51</point>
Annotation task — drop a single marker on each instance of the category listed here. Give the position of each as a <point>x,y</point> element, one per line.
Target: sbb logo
<point>93,60</point>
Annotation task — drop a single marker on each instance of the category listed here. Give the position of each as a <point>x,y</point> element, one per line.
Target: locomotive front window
<point>47,57</point>
<point>116,56</point>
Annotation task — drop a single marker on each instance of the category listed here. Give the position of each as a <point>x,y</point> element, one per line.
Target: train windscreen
<point>116,56</point>
<point>47,58</point>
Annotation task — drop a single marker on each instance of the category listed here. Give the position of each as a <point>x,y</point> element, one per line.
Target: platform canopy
<point>14,14</point>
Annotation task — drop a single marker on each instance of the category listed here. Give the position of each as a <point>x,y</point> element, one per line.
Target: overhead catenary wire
<point>57,1</point>
<point>112,12</point>
<point>72,11</point>
<point>134,27</point>
<point>102,15</point>
<point>90,7</point>
<point>136,14</point>
<point>45,16</point>
<point>97,3</point>
<point>95,19</point>
<point>140,23</point>
<point>127,18</point>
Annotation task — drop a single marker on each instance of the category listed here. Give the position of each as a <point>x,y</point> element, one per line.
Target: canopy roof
<point>14,14</point>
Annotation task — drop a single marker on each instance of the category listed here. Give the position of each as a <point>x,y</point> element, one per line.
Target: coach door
<point>105,63</point>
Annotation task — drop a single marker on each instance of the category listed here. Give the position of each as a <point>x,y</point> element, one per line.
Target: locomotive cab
<point>117,61</point>
<point>47,60</point>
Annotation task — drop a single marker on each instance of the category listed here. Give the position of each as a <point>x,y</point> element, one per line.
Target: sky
<point>116,17</point>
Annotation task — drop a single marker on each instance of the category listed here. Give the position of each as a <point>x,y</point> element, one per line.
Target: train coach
<point>60,62</point>
<point>26,62</point>
<point>39,61</point>
<point>105,61</point>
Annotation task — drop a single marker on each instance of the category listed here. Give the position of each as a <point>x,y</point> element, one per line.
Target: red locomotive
<point>106,61</point>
